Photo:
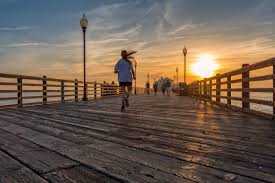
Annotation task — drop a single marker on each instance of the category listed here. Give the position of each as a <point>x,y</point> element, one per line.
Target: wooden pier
<point>158,139</point>
<point>48,134</point>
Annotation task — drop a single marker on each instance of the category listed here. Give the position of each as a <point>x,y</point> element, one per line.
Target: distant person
<point>126,74</point>
<point>167,87</point>
<point>147,88</point>
<point>163,88</point>
<point>155,88</point>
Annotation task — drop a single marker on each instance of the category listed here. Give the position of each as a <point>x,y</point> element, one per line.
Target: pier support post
<point>200,88</point>
<point>204,89</point>
<point>62,91</point>
<point>191,89</point>
<point>76,90</point>
<point>210,89</point>
<point>95,92</point>
<point>45,90</point>
<point>197,89</point>
<point>229,90</point>
<point>19,93</point>
<point>218,88</point>
<point>245,88</point>
<point>273,90</point>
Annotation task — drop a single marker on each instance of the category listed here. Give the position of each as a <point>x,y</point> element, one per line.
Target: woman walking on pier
<point>126,74</point>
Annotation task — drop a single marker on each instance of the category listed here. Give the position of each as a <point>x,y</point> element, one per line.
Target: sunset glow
<point>42,38</point>
<point>205,66</point>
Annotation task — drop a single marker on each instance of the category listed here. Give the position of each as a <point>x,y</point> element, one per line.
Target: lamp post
<point>84,25</point>
<point>185,54</point>
<point>135,77</point>
<point>177,71</point>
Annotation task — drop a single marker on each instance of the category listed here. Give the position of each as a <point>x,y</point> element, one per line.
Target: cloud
<point>25,44</point>
<point>19,28</point>
<point>158,29</point>
<point>106,10</point>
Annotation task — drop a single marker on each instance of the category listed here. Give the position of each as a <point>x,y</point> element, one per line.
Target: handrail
<point>28,90</point>
<point>210,88</point>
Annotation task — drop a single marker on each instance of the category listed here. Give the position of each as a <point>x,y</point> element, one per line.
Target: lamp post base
<point>85,98</point>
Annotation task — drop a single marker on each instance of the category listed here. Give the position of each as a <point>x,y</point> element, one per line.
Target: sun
<point>205,67</point>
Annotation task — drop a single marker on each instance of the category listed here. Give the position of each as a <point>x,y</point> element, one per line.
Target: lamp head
<point>184,50</point>
<point>84,22</point>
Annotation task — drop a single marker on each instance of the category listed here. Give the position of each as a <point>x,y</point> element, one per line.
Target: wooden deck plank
<point>162,124</point>
<point>12,171</point>
<point>182,114</point>
<point>39,159</point>
<point>113,166</point>
<point>164,138</point>
<point>229,129</point>
<point>169,134</point>
<point>77,174</point>
<point>168,164</point>
<point>240,169</point>
<point>92,125</point>
<point>48,164</point>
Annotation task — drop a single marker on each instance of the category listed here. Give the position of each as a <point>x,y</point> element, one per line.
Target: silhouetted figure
<point>167,87</point>
<point>126,74</point>
<point>155,88</point>
<point>163,88</point>
<point>148,88</point>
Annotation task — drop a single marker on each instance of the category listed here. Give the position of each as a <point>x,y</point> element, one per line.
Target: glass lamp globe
<point>184,51</point>
<point>84,22</point>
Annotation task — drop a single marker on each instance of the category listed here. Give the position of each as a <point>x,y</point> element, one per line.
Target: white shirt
<point>125,70</point>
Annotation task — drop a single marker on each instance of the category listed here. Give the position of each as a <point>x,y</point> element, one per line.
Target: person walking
<point>163,88</point>
<point>167,87</point>
<point>126,74</point>
<point>155,86</point>
<point>148,88</point>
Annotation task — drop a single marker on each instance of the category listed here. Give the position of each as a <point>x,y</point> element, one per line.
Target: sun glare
<point>205,67</point>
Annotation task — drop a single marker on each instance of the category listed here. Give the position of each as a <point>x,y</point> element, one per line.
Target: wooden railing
<point>19,90</point>
<point>211,89</point>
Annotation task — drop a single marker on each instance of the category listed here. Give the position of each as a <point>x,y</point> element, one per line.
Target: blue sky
<point>43,37</point>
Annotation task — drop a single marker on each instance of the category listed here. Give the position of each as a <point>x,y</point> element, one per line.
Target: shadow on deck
<point>158,139</point>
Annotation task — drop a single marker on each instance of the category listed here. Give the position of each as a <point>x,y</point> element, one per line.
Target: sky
<point>39,37</point>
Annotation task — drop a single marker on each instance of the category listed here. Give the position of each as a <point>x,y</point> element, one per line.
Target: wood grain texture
<point>11,171</point>
<point>158,139</point>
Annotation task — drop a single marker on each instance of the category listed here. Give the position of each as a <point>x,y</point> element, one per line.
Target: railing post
<point>95,88</point>
<point>200,87</point>
<point>229,90</point>
<point>204,89</point>
<point>210,89</point>
<point>245,88</point>
<point>62,91</point>
<point>87,92</point>
<point>75,90</point>
<point>218,88</point>
<point>107,90</point>
<point>197,88</point>
<point>191,89</point>
<point>19,92</point>
<point>273,90</point>
<point>44,89</point>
